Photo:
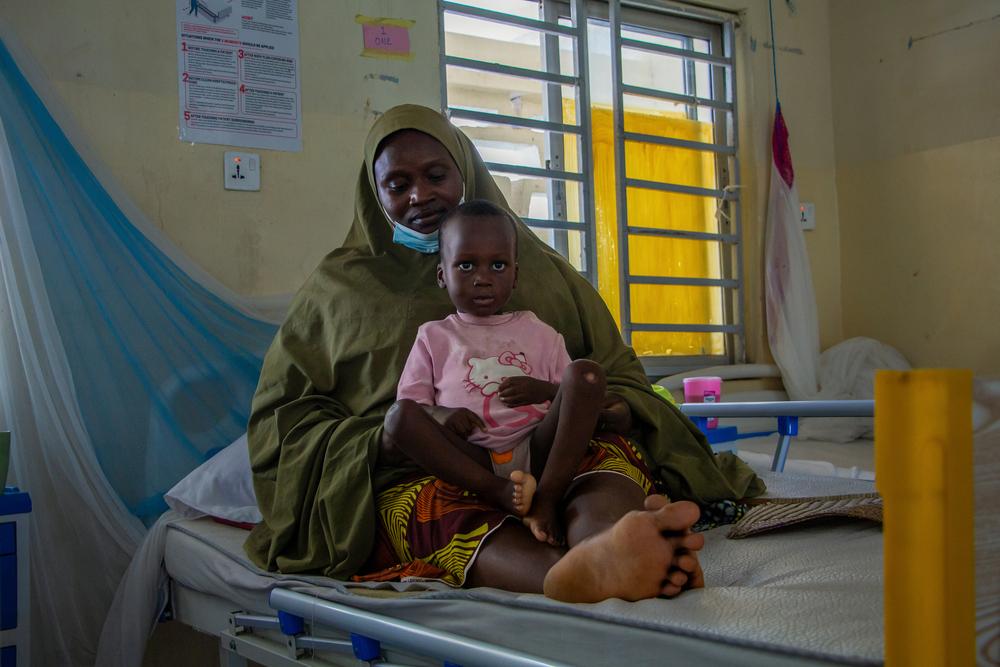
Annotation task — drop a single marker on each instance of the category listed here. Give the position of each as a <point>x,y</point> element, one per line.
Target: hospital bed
<point>807,595</point>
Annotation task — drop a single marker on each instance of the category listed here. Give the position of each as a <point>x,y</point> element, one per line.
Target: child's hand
<point>523,390</point>
<point>615,416</point>
<point>463,422</point>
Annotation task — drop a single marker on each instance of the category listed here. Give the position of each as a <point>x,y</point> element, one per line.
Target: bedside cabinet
<point>15,512</point>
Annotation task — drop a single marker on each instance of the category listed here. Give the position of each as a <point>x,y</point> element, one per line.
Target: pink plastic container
<point>703,390</point>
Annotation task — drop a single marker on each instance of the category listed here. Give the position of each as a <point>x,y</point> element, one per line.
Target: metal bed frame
<point>786,412</point>
<point>292,635</point>
<point>366,634</point>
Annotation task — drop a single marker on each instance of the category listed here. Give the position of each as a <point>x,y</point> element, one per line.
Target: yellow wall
<point>114,65</point>
<point>918,176</point>
<point>804,63</point>
<point>911,173</point>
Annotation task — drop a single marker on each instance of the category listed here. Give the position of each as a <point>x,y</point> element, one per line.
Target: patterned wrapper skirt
<point>429,529</point>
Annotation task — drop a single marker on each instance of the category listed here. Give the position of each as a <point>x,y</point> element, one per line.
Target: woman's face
<point>417,180</point>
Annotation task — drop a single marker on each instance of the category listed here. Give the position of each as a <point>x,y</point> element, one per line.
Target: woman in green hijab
<point>319,462</point>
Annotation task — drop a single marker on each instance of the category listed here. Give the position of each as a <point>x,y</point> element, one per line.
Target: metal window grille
<point>702,41</point>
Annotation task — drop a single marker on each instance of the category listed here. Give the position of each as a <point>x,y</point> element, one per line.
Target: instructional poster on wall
<point>238,73</point>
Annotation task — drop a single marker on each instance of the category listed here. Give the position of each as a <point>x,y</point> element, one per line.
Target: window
<point>656,149</point>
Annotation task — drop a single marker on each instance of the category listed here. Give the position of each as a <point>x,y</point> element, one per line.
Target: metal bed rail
<point>786,412</point>
<point>369,630</point>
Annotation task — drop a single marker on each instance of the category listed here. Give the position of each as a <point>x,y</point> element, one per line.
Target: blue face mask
<point>423,243</point>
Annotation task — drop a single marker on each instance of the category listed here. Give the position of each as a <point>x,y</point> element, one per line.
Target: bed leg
<point>228,657</point>
<point>787,427</point>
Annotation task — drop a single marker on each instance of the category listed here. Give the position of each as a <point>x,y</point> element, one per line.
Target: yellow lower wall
<point>922,253</point>
<point>918,167</point>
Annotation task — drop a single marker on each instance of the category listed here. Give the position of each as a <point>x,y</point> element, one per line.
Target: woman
<point>318,447</point>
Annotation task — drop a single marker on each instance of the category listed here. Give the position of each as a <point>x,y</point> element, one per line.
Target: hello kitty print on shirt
<point>460,361</point>
<point>485,376</point>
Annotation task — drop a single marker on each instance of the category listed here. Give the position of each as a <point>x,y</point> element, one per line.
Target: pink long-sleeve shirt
<point>458,362</point>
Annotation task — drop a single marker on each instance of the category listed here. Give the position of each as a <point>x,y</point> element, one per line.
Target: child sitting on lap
<point>512,414</point>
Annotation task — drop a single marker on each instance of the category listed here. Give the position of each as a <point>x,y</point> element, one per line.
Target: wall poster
<point>238,73</point>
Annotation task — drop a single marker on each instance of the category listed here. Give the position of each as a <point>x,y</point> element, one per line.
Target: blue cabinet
<point>15,511</point>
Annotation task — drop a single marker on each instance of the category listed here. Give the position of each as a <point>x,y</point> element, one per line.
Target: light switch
<point>242,171</point>
<point>807,215</point>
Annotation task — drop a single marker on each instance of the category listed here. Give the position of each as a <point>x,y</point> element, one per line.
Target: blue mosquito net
<point>163,368</point>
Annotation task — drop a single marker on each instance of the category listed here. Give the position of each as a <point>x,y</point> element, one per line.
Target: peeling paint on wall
<point>370,112</point>
<point>381,77</point>
<point>767,45</point>
<point>786,49</point>
<point>914,40</point>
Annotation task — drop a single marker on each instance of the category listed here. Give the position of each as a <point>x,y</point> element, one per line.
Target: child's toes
<point>524,490</point>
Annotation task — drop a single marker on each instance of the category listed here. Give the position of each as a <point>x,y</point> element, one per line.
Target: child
<point>497,382</point>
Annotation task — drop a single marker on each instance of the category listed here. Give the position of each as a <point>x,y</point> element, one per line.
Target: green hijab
<point>332,369</point>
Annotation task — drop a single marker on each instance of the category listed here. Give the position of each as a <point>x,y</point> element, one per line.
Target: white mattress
<point>808,595</point>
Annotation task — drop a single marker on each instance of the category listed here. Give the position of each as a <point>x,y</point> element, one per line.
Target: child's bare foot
<point>632,560</point>
<point>543,521</point>
<point>524,491</point>
<point>685,570</point>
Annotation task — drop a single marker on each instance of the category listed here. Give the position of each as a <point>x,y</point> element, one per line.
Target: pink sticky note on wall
<point>387,38</point>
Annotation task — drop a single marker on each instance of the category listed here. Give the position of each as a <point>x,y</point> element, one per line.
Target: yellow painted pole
<point>923,470</point>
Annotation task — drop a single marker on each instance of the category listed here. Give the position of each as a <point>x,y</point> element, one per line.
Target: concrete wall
<point>114,66</point>
<point>113,63</point>
<point>918,168</point>
<point>804,85</point>
<point>902,186</point>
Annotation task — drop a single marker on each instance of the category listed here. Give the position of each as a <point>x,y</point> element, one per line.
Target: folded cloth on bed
<point>779,513</point>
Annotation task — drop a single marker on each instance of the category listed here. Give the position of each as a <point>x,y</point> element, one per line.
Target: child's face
<point>478,264</point>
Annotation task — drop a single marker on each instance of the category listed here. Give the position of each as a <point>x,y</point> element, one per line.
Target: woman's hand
<point>524,390</point>
<point>460,421</point>
<point>615,416</point>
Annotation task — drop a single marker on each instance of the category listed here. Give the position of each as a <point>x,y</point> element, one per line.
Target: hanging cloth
<point>792,328</point>
<point>844,371</point>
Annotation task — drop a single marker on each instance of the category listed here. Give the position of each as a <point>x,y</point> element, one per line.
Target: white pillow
<point>221,487</point>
